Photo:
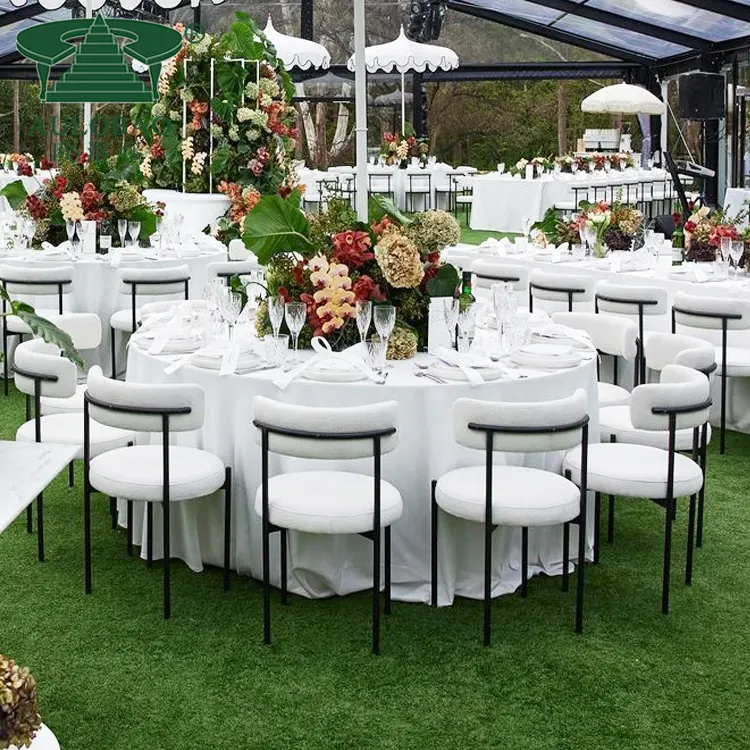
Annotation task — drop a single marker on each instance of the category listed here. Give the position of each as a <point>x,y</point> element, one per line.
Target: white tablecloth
<point>322,565</point>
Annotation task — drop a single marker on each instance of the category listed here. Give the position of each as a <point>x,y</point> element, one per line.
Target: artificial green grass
<point>476,236</point>
<point>113,675</point>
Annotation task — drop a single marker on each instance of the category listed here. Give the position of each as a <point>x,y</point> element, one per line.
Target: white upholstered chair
<point>495,495</point>
<point>719,314</point>
<point>327,502</point>
<point>150,474</point>
<point>491,272</point>
<point>135,282</point>
<point>41,372</point>
<point>680,401</point>
<point>570,288</point>
<point>226,269</point>
<point>615,337</point>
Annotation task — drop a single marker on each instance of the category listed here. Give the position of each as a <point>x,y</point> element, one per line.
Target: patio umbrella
<point>623,99</point>
<point>295,52</point>
<point>404,55</point>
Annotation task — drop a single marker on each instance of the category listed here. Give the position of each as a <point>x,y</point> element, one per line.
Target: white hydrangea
<point>175,114</point>
<point>186,95</point>
<point>269,86</point>
<point>234,134</point>
<point>244,114</point>
<point>216,131</point>
<point>251,90</point>
<point>265,100</point>
<point>258,118</point>
<point>253,134</point>
<point>159,109</point>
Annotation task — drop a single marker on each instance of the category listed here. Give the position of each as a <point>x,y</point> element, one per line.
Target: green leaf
<point>383,206</point>
<point>15,193</point>
<point>275,226</point>
<point>548,225</point>
<point>222,108</point>
<point>444,283</point>
<point>220,160</point>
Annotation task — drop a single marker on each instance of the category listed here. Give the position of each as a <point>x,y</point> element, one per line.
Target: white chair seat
<point>122,320</point>
<point>612,395</point>
<point>566,206</point>
<point>136,473</point>
<point>520,496</point>
<point>615,421</point>
<point>738,361</point>
<point>328,502</point>
<point>634,471</point>
<point>16,325</point>
<point>68,430</point>
<point>72,404</point>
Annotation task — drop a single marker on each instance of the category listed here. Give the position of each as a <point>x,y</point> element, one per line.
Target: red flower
<point>83,158</point>
<point>365,288</point>
<point>690,226</point>
<point>298,275</point>
<point>677,218</point>
<point>389,137</point>
<point>283,292</point>
<point>352,248</point>
<point>45,163</point>
<point>433,258</point>
<point>381,226</point>
<point>429,273</point>
<point>157,150</point>
<point>24,169</point>
<point>36,208</point>
<point>60,184</point>
<point>285,191</point>
<point>91,198</point>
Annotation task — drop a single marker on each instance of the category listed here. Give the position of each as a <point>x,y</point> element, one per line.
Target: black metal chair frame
<point>570,292</point>
<point>490,432</point>
<point>499,279</point>
<point>724,330</point>
<point>410,194</point>
<point>389,184</point>
<point>641,304</point>
<point>134,311</point>
<point>699,451</point>
<point>269,528</point>
<point>6,333</point>
<point>165,413</point>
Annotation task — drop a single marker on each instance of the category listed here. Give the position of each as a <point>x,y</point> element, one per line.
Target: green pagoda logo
<point>100,71</point>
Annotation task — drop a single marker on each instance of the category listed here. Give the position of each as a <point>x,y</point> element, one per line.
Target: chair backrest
<point>491,272</point>
<point>560,287</point>
<point>323,432</point>
<point>37,362</point>
<point>380,183</point>
<point>168,306</point>
<point>682,394</point>
<point>225,269</point>
<point>610,335</point>
<point>144,406</point>
<point>37,278</point>
<point>625,299</point>
<point>462,260</point>
<point>521,427</point>
<point>85,329</point>
<point>238,251</point>
<point>663,349</point>
<point>710,312</point>
<point>153,281</point>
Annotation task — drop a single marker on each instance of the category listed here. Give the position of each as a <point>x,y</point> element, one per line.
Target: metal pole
<point>664,145</point>
<point>403,104</point>
<point>87,105</point>
<point>360,93</point>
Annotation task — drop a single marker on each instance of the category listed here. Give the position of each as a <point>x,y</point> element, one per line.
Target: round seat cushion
<point>614,421</point>
<point>738,361</point>
<point>328,502</point>
<point>634,471</point>
<point>520,496</point>
<point>122,320</point>
<point>136,473</point>
<point>68,430</point>
<point>14,324</point>
<point>72,404</point>
<point>612,395</point>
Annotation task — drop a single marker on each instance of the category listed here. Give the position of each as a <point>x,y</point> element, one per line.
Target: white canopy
<point>624,99</point>
<point>295,52</point>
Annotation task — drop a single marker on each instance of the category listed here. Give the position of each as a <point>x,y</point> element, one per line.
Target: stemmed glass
<point>450,312</point>
<point>526,224</point>
<point>29,230</point>
<point>276,313</point>
<point>296,315</point>
<point>467,317</point>
<point>735,253</point>
<point>230,307</point>
<point>384,317</point>
<point>134,228</point>
<point>122,230</point>
<point>364,317</point>
<point>70,230</point>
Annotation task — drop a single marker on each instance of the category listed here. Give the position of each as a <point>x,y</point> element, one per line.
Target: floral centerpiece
<point>330,261</point>
<point>625,227</point>
<point>595,221</point>
<point>19,705</point>
<point>22,163</point>
<point>519,168</point>
<point>245,136</point>
<point>704,231</point>
<point>100,191</point>
<point>397,149</point>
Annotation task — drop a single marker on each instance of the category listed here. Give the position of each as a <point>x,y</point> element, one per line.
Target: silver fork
<point>424,374</point>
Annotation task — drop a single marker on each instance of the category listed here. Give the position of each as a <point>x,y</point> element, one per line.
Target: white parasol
<point>295,52</point>
<point>624,99</point>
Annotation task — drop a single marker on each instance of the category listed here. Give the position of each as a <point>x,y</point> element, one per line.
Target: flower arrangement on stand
<point>19,705</point>
<point>704,231</point>
<point>23,164</point>
<point>244,137</point>
<point>397,149</point>
<point>330,261</point>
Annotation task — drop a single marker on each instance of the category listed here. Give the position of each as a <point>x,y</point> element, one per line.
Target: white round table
<point>324,565</point>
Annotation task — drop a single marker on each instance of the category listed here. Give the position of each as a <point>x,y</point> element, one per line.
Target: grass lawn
<point>476,236</point>
<point>113,675</point>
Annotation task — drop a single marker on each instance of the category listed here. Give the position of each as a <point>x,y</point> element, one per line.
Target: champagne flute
<point>296,315</point>
<point>276,313</point>
<point>364,317</point>
<point>385,318</point>
<point>450,312</point>
<point>122,230</point>
<point>737,248</point>
<point>134,228</point>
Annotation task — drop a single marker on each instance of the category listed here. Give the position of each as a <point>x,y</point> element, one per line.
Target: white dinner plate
<point>174,346</point>
<point>543,362</point>
<point>449,372</point>
<point>547,350</point>
<point>322,374</point>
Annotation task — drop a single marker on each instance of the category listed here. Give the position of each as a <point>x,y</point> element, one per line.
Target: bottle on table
<point>464,296</point>
<point>678,241</point>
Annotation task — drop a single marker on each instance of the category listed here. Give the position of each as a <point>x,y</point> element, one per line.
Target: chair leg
<point>433,547</point>
<point>112,347</point>
<point>580,571</point>
<point>723,436</point>
<point>71,475</point>
<point>690,541</point>
<point>667,556</point>
<point>150,535</point>
<point>524,560</point>
<point>387,567</point>
<point>130,528</point>
<point>227,525</point>
<point>40,526</point>
<point>283,546</point>
<point>167,561</point>
<point>487,583</point>
<point>597,522</point>
<point>266,584</point>
<point>376,591</point>
<point>86,535</point>
<point>29,520</point>
<point>566,555</point>
<point>702,493</point>
<point>611,520</point>
<point>6,366</point>
<point>113,511</point>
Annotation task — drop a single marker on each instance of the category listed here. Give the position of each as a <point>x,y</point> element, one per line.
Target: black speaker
<point>702,96</point>
<point>664,225</point>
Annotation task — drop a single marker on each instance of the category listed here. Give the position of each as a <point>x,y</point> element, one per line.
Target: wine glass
<point>296,315</point>
<point>70,230</point>
<point>450,311</point>
<point>385,318</point>
<point>737,248</point>
<point>29,230</point>
<point>364,317</point>
<point>276,313</point>
<point>526,224</point>
<point>122,230</point>
<point>726,247</point>
<point>134,228</point>
<point>230,307</point>
<point>467,317</point>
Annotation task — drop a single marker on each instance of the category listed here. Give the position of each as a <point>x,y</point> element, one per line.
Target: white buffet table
<point>322,565</point>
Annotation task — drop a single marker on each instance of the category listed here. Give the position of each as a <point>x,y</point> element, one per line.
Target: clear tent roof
<point>646,30</point>
<point>10,27</point>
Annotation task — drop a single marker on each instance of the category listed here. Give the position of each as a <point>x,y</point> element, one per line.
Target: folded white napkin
<point>565,333</point>
<point>463,362</point>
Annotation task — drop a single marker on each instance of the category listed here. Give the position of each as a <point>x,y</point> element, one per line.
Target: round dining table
<point>321,565</point>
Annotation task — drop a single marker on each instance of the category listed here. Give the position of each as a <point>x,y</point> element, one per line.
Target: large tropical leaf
<point>444,283</point>
<point>380,206</point>
<point>276,226</point>
<point>15,193</point>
